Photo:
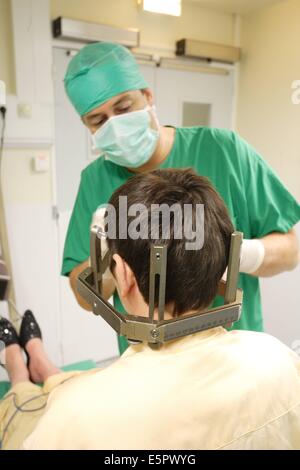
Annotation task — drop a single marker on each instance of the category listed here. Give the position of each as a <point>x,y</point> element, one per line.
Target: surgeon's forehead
<point>113,102</point>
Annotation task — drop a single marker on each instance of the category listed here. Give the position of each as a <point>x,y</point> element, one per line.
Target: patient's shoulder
<point>266,356</point>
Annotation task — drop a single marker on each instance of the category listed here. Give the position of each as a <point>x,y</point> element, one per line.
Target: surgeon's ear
<point>124,276</point>
<point>148,95</point>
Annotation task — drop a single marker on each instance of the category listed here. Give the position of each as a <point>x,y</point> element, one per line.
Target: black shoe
<point>8,334</point>
<point>29,329</point>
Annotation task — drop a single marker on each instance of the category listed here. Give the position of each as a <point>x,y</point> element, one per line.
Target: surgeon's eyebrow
<point>95,118</point>
<point>122,100</point>
<point>92,118</point>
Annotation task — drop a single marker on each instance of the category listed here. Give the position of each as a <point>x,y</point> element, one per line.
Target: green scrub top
<point>257,201</point>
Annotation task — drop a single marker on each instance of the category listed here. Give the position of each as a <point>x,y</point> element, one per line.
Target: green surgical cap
<point>98,72</point>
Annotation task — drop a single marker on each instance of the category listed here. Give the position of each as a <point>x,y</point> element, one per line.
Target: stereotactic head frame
<point>138,329</point>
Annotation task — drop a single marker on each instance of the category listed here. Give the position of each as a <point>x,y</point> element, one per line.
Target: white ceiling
<point>234,6</point>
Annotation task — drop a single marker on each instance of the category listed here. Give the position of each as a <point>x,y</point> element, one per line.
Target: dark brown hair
<point>192,275</point>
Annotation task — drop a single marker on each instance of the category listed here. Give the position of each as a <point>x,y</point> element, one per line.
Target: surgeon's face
<point>119,104</point>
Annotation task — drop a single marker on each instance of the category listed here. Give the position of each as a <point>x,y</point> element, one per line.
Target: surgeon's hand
<point>108,281</point>
<point>252,257</point>
<point>108,286</point>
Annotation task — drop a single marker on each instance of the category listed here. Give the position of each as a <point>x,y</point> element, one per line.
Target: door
<point>84,336</point>
<point>185,98</point>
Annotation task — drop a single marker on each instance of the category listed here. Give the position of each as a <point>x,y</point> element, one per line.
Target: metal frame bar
<point>138,328</point>
<point>158,266</point>
<point>233,267</point>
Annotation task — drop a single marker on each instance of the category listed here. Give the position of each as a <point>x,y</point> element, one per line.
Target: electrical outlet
<point>24,110</point>
<point>2,94</point>
<point>40,163</point>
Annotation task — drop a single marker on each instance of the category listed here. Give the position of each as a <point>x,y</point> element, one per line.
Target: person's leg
<point>16,422</point>
<point>15,366</point>
<point>40,366</point>
<point>24,404</point>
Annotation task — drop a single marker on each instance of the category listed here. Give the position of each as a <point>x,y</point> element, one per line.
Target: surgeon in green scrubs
<point>105,86</point>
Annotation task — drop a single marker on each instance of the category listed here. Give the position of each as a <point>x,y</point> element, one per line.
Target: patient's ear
<point>124,276</point>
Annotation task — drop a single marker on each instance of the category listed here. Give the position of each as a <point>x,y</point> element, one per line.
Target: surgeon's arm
<point>281,254</point>
<point>108,285</point>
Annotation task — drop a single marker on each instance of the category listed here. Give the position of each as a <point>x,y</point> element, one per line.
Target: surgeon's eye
<point>123,110</point>
<point>99,123</point>
<point>124,107</point>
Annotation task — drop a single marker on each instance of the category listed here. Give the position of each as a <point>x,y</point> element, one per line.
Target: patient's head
<point>193,270</point>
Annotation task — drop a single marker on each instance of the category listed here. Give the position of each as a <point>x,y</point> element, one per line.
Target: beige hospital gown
<point>211,390</point>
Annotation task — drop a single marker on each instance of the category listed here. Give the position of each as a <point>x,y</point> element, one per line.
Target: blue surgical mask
<point>127,139</point>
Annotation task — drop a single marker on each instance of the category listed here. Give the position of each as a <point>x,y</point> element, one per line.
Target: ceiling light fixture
<point>165,7</point>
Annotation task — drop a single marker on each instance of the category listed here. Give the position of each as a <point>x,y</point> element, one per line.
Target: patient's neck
<point>135,304</point>
<point>169,315</point>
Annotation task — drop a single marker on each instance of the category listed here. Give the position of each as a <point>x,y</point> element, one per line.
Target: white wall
<point>266,116</point>
<point>28,196</point>
<point>160,31</point>
<point>269,120</point>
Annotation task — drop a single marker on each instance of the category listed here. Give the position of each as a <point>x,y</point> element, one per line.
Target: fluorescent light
<point>166,7</point>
